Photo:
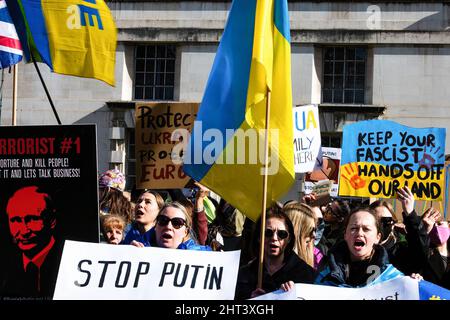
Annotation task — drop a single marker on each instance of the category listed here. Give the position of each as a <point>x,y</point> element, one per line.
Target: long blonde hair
<point>304,222</point>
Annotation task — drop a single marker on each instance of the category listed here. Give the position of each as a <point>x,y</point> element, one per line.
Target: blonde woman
<point>304,222</point>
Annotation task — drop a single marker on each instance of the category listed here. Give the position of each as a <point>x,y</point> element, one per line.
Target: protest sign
<point>48,193</point>
<point>326,168</point>
<point>381,156</point>
<point>403,288</point>
<point>111,272</point>
<point>306,137</point>
<point>156,136</point>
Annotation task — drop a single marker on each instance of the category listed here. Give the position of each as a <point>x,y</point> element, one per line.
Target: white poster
<point>306,137</point>
<point>121,272</point>
<point>326,168</point>
<point>404,288</point>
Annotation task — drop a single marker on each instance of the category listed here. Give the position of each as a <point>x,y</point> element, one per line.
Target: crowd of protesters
<point>337,243</point>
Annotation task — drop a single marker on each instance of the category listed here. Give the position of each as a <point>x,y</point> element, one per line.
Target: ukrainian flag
<point>253,57</point>
<point>73,37</point>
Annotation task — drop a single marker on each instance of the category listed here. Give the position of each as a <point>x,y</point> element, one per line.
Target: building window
<point>344,73</point>
<point>331,139</point>
<point>131,160</point>
<point>155,72</point>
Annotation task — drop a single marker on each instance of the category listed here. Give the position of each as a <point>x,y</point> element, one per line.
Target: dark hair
<point>342,211</point>
<point>275,211</point>
<point>365,209</point>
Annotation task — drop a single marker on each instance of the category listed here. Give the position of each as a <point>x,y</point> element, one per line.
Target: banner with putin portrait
<point>381,156</point>
<point>48,194</point>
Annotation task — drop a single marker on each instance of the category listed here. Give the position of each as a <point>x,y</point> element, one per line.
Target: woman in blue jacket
<point>172,230</point>
<point>358,260</point>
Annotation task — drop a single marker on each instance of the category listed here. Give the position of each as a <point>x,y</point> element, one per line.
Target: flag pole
<point>264,201</point>
<point>45,88</point>
<point>14,97</point>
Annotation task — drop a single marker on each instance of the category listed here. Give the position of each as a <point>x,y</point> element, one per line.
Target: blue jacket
<point>134,234</point>
<point>149,240</point>
<point>338,270</point>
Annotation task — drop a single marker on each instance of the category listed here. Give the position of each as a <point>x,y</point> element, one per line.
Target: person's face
<point>29,229</point>
<point>114,235</point>
<point>361,234</point>
<point>275,241</point>
<point>170,234</point>
<point>146,209</point>
<point>328,215</point>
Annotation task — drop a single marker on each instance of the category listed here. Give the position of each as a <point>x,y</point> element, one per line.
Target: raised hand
<point>406,198</point>
<point>309,198</point>
<point>201,194</point>
<point>429,218</point>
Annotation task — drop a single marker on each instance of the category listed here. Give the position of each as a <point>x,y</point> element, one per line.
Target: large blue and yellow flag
<point>73,37</point>
<point>226,149</point>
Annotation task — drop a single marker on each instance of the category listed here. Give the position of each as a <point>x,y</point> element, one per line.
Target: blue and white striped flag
<point>10,48</point>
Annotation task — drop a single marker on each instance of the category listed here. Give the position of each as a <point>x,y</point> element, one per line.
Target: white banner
<point>404,288</point>
<point>111,272</point>
<point>306,137</point>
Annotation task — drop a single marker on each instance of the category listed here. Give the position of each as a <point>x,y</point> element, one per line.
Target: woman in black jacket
<point>281,264</point>
<point>428,239</point>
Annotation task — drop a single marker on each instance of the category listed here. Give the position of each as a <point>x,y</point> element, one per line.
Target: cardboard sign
<point>118,272</point>
<point>306,137</point>
<point>326,168</point>
<point>158,166</point>
<point>48,193</point>
<point>380,156</point>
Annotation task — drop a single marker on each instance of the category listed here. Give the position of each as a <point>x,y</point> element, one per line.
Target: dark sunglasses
<point>177,223</point>
<point>387,221</point>
<point>282,234</point>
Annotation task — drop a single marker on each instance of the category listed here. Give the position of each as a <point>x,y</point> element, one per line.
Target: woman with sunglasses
<point>304,222</point>
<point>173,229</point>
<point>393,241</point>
<point>281,264</point>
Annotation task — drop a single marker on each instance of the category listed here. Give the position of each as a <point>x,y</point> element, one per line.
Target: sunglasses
<point>387,221</point>
<point>282,234</point>
<point>177,223</point>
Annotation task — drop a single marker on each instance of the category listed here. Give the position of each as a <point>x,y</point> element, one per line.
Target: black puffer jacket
<point>431,265</point>
<point>295,269</point>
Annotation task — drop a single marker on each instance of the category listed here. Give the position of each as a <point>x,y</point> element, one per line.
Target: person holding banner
<point>172,230</point>
<point>358,260</point>
<point>147,207</point>
<point>281,264</point>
